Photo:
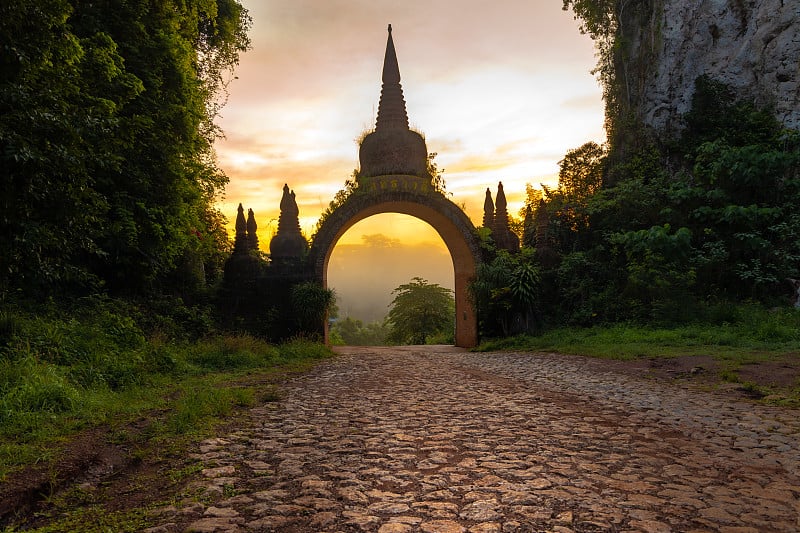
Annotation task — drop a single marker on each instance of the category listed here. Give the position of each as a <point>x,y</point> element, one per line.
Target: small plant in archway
<point>437,175</point>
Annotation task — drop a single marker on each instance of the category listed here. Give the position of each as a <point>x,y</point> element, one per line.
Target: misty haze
<point>364,275</point>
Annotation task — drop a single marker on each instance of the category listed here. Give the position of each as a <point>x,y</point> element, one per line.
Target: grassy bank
<point>65,372</point>
<point>745,332</point>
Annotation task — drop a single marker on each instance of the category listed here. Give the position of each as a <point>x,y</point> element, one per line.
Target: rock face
<point>750,45</point>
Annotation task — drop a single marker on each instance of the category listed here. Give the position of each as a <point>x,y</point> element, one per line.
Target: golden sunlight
<point>499,94</point>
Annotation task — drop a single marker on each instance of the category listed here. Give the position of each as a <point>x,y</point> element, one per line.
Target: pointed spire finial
<point>240,243</point>
<point>488,210</point>
<point>392,105</point>
<point>504,238</point>
<point>500,200</point>
<point>393,148</point>
<point>241,224</point>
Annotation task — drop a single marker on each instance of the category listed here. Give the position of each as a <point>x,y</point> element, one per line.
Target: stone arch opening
<point>450,222</point>
<point>378,254</point>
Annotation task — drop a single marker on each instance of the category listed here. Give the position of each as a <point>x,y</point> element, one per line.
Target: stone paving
<point>436,439</point>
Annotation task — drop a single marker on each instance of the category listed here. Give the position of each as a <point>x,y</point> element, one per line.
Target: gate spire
<point>392,148</point>
<point>392,106</point>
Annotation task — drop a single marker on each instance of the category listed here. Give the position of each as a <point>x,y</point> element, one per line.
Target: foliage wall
<point>653,226</point>
<point>107,170</point>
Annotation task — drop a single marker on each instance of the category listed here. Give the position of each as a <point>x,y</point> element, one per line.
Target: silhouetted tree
<point>106,141</point>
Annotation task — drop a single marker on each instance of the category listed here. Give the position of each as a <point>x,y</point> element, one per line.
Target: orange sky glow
<point>500,90</point>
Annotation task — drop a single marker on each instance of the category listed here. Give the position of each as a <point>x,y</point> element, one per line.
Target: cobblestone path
<point>436,439</point>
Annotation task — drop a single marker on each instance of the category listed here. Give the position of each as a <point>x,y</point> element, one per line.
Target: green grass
<point>756,334</point>
<point>61,373</point>
<point>97,519</point>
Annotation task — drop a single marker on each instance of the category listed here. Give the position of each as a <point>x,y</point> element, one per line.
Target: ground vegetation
<point>354,332</point>
<point>111,250</point>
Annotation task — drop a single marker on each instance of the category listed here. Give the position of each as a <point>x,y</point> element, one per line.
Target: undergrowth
<point>61,372</point>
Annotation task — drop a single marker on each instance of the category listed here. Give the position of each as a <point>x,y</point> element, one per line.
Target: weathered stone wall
<point>751,45</point>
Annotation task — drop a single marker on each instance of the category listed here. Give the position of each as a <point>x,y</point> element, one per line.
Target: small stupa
<point>504,238</point>
<point>392,148</point>
<point>488,210</point>
<point>288,242</point>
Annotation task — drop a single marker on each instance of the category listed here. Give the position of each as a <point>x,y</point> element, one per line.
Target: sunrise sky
<point>501,90</point>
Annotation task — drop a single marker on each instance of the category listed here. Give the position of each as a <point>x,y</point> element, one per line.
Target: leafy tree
<point>580,172</point>
<point>59,96</point>
<point>420,310</point>
<point>580,177</point>
<point>106,132</point>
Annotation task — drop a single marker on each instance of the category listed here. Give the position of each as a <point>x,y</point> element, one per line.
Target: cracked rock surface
<point>436,439</point>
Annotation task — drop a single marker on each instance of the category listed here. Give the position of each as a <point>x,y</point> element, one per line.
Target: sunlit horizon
<point>500,95</point>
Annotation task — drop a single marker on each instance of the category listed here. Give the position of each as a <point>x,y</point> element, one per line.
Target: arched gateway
<point>446,218</point>
<point>394,178</point>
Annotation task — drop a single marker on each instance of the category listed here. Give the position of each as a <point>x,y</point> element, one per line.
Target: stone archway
<point>450,222</point>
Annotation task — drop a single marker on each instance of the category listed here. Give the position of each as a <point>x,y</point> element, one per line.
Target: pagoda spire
<point>504,238</point>
<point>288,243</point>
<point>240,244</point>
<point>392,148</point>
<point>488,210</point>
<point>392,106</point>
<point>252,227</point>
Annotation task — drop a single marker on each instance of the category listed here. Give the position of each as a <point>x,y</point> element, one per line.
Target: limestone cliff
<point>750,45</point>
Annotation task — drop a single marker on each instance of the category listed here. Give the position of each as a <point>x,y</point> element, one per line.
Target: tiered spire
<point>240,244</point>
<point>246,238</point>
<point>252,238</point>
<point>392,106</point>
<point>392,148</point>
<point>496,217</point>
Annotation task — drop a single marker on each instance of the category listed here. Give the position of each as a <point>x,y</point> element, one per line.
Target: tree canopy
<point>665,232</point>
<point>106,141</point>
<point>419,311</point>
